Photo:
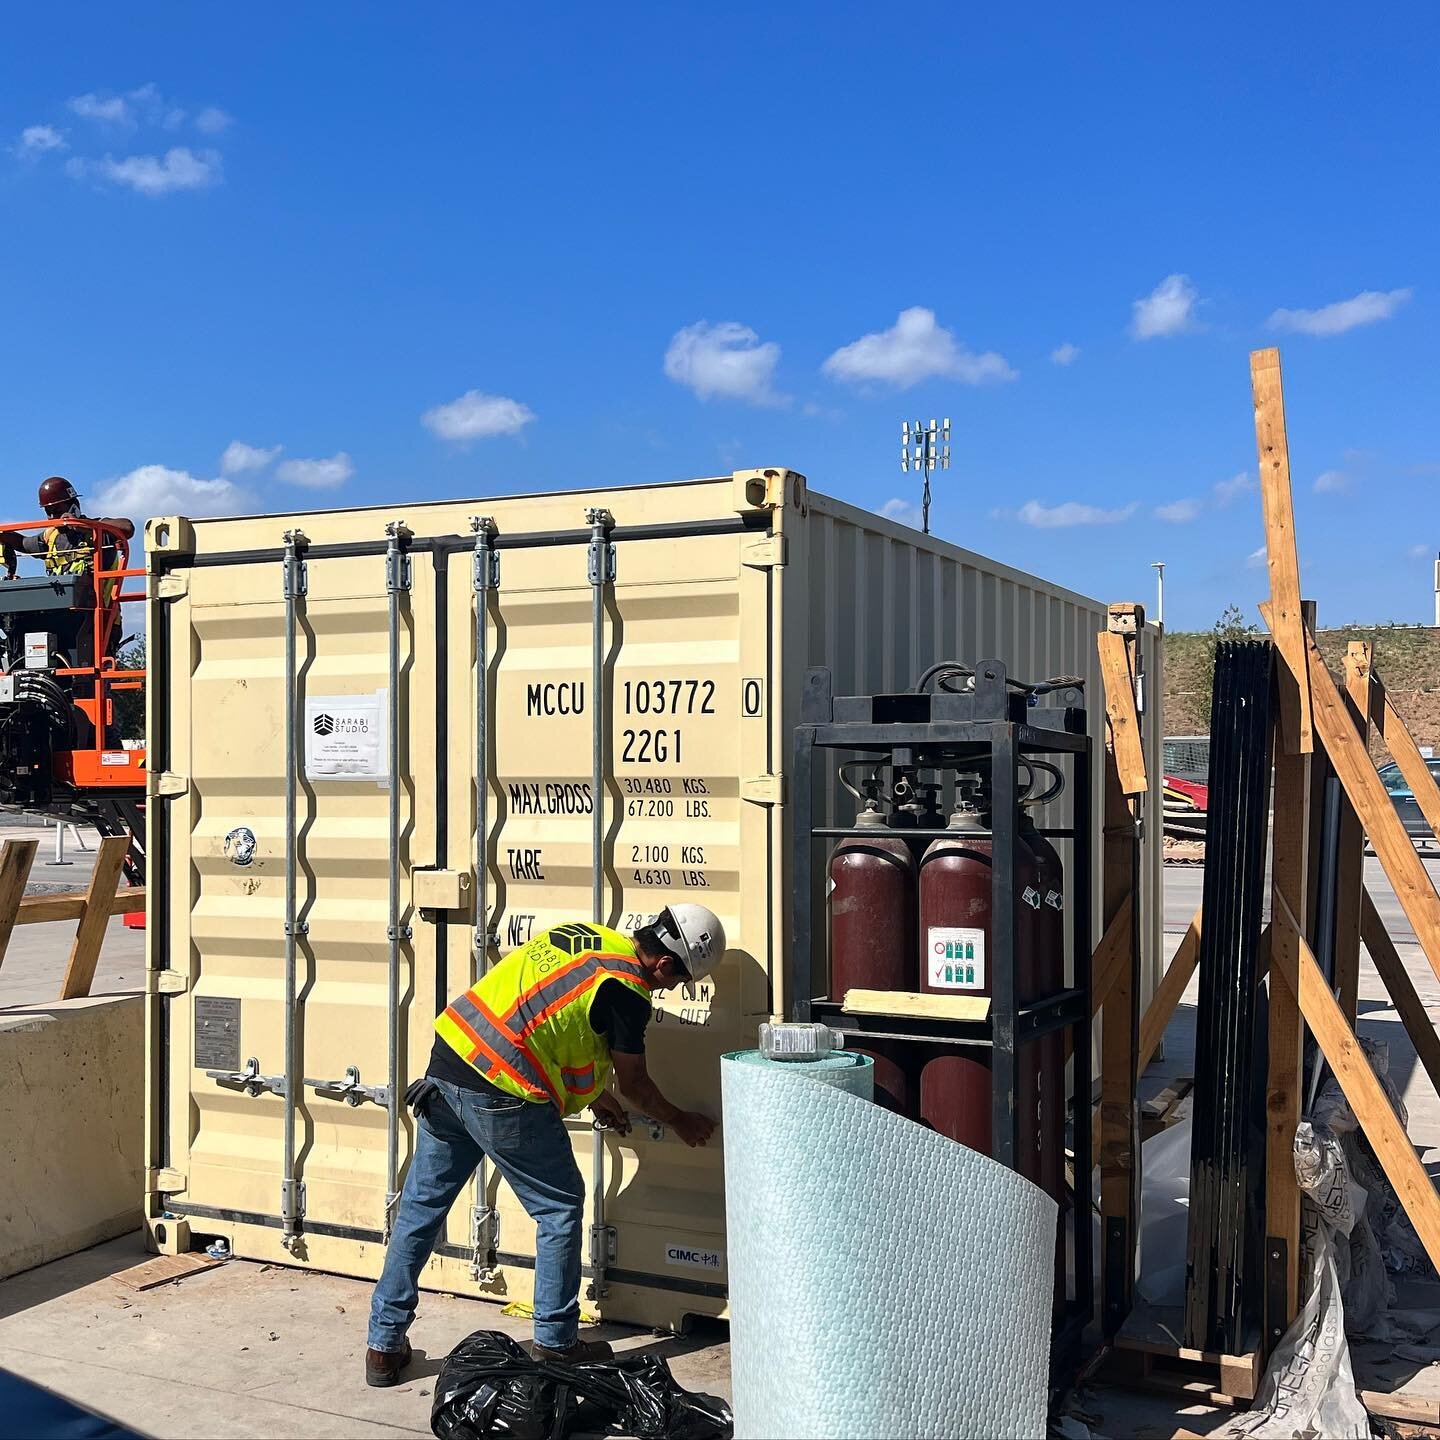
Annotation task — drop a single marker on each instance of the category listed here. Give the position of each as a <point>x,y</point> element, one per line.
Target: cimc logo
<point>324,724</point>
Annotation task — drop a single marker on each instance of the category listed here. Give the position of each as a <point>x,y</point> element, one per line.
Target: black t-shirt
<point>618,1013</point>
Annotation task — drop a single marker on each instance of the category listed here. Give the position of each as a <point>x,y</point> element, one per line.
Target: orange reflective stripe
<point>479,1024</point>
<point>544,984</point>
<point>578,1081</point>
<point>559,1001</point>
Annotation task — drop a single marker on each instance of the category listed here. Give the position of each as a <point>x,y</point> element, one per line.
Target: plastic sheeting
<point>884,1281</point>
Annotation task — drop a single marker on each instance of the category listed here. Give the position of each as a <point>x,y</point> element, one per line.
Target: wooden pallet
<point>1148,1352</point>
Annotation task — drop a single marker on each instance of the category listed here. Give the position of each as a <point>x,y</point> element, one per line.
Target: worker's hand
<point>692,1127</point>
<point>609,1113</point>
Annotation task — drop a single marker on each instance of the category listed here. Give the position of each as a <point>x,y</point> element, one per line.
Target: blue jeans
<point>529,1146</point>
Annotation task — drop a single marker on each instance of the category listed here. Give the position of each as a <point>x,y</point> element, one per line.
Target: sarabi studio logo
<point>324,724</point>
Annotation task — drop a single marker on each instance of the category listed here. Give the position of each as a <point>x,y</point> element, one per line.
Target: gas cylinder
<point>955,934</point>
<point>918,808</point>
<point>872,930</point>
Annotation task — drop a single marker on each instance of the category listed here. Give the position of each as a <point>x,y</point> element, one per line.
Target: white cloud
<point>1331,482</point>
<point>1065,354</point>
<point>159,490</point>
<point>1366,308</point>
<point>212,120</point>
<point>1420,552</point>
<point>1228,491</point>
<point>1178,512</point>
<point>904,511</point>
<point>317,474</point>
<point>40,140</point>
<point>1255,560</point>
<point>726,360</point>
<point>179,168</point>
<point>913,349</point>
<point>240,457</point>
<point>1071,512</point>
<point>108,109</point>
<point>476,416</point>
<point>1169,309</point>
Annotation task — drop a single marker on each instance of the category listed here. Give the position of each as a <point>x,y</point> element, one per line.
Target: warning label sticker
<point>693,1258</point>
<point>955,957</point>
<point>345,737</point>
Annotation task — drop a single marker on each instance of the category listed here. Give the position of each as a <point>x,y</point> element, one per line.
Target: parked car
<point>1403,799</point>
<point>1187,785</point>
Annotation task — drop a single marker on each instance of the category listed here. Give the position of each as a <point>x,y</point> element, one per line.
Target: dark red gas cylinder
<point>872,938</point>
<point>955,935</point>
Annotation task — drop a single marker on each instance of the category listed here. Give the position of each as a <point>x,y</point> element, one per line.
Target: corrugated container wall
<point>723,593</point>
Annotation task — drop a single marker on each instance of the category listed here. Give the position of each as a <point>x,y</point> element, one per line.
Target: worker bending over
<point>533,1041</point>
<point>66,549</point>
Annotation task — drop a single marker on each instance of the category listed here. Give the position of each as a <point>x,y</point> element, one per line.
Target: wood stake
<point>1275,497</point>
<point>1119,677</point>
<point>80,972</point>
<point>15,860</point>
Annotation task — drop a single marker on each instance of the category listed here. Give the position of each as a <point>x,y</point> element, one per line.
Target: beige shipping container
<point>723,592</point>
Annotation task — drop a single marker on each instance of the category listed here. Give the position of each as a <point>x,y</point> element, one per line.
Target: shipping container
<point>272,636</point>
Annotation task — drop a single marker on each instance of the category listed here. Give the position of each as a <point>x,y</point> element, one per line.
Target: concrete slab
<point>254,1350</point>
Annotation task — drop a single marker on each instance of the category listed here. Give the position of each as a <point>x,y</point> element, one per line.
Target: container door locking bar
<point>292,1191</point>
<point>350,1090</point>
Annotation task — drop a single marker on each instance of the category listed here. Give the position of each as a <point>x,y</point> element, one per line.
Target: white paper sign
<point>346,737</point>
<point>956,957</point>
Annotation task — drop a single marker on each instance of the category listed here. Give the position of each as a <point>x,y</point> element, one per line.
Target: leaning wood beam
<point>1168,992</point>
<point>1112,954</point>
<point>1117,671</point>
<point>80,972</point>
<point>1284,564</point>
<point>1408,1005</point>
<point>43,909</point>
<point>1406,753</point>
<point>1357,773</point>
<point>1379,1123</point>
<point>1350,870</point>
<point>15,860</point>
<point>1284,1087</point>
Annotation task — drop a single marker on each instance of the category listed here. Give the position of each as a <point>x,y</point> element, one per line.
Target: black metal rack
<point>995,727</point>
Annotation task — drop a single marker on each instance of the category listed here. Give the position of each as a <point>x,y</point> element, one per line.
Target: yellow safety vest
<point>525,1025</point>
<point>75,561</point>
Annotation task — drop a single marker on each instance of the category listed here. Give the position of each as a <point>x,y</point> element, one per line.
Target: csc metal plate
<point>217,1033</point>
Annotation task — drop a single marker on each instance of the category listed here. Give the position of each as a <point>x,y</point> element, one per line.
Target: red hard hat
<point>57,491</point>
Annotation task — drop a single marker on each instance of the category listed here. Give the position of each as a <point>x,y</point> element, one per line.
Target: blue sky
<point>605,244</point>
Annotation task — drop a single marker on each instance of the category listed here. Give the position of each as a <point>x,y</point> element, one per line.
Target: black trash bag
<point>491,1386</point>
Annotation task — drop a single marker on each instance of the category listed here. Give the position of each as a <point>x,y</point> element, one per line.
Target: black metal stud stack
<point>1223,1287</point>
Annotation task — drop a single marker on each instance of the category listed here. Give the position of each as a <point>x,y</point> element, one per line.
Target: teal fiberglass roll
<point>884,1280</point>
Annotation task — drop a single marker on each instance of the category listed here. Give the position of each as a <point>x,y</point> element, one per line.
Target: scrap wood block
<point>1149,1342</point>
<point>163,1268</point>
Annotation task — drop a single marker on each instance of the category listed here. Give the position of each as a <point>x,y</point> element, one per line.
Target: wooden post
<point>1290,838</point>
<point>15,860</point>
<point>90,934</point>
<point>1119,1113</point>
<point>1350,872</point>
<point>1280,551</point>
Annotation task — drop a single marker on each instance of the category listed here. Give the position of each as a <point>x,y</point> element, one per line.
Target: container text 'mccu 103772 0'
<point>585,701</point>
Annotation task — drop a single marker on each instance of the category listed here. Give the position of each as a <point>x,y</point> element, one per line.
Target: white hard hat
<point>694,936</point>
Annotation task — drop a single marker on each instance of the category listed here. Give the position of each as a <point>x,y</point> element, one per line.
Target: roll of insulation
<point>884,1280</point>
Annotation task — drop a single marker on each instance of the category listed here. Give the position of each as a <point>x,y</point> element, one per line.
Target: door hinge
<point>166,982</point>
<point>172,587</point>
<point>166,782</point>
<point>764,552</point>
<point>169,1182</point>
<point>763,790</point>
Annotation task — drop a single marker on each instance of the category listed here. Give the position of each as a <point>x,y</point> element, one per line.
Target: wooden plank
<point>1116,670</point>
<point>1350,868</point>
<point>1112,955</point>
<point>908,1002</point>
<point>1381,1126</point>
<point>15,860</point>
<point>1357,773</point>
<point>1168,992</point>
<point>1284,1083</point>
<point>1278,505</point>
<point>1406,754</point>
<point>1408,1005</point>
<point>109,861</point>
<point>42,909</point>
<point>165,1268</point>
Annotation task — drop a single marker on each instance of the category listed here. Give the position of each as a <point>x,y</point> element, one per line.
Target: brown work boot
<point>384,1367</point>
<point>582,1352</point>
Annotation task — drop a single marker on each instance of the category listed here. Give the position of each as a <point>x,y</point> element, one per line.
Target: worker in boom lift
<point>534,1040</point>
<point>66,549</point>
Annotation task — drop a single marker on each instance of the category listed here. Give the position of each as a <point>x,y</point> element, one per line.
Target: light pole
<point>925,448</point>
<point>1158,566</point>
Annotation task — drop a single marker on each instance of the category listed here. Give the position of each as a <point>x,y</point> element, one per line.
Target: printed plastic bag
<point>490,1386</point>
